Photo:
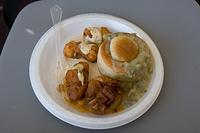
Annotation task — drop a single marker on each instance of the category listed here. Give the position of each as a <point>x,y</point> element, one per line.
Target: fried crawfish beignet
<point>89,51</point>
<point>72,50</point>
<point>88,48</point>
<point>103,96</point>
<point>80,49</point>
<point>95,35</point>
<point>76,80</point>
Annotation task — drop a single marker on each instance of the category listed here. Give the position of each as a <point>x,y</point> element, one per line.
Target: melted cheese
<point>81,77</point>
<point>79,67</point>
<point>96,35</point>
<point>85,48</point>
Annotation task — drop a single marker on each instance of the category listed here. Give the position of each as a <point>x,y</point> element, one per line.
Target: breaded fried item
<point>94,87</point>
<point>101,95</point>
<point>95,35</point>
<point>72,50</point>
<point>92,55</point>
<point>88,47</point>
<point>81,50</point>
<point>76,80</point>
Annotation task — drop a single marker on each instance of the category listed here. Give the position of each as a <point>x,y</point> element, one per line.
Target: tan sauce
<point>81,106</point>
<point>85,48</point>
<point>96,35</point>
<point>80,67</point>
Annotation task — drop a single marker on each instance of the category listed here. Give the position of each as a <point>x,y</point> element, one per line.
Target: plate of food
<point>107,71</point>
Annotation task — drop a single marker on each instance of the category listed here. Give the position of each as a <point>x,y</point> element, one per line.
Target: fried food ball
<point>76,80</point>
<point>95,34</point>
<point>92,55</point>
<point>72,50</point>
<point>94,87</point>
<point>88,48</point>
<point>104,31</point>
<point>77,50</point>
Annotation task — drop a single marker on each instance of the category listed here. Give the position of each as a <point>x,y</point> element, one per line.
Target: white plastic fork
<point>56,15</point>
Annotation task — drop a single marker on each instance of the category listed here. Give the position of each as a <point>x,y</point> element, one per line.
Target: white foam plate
<point>42,73</point>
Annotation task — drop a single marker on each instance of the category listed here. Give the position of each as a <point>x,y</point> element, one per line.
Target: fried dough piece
<point>76,80</point>
<point>73,50</point>
<point>88,48</point>
<point>95,34</point>
<point>92,55</point>
<point>94,87</point>
<point>101,95</point>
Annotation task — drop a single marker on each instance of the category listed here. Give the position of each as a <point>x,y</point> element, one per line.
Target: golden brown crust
<point>107,59</point>
<point>92,55</point>
<point>71,50</point>
<point>85,65</point>
<point>105,53</point>
<point>102,95</point>
<point>87,32</point>
<point>75,89</point>
<point>104,31</point>
<point>123,48</point>
<point>94,87</point>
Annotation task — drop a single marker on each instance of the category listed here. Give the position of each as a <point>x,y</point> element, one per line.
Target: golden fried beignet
<point>103,96</point>
<point>72,50</point>
<point>76,80</point>
<point>81,50</point>
<point>95,34</point>
<point>92,55</point>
